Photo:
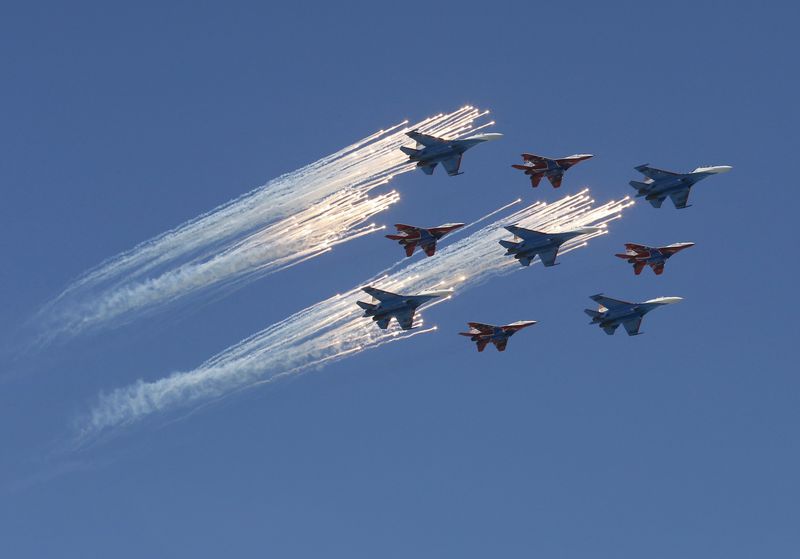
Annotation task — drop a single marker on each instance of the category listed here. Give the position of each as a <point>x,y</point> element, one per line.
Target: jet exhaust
<point>334,329</point>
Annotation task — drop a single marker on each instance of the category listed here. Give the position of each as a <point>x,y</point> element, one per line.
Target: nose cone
<point>485,137</point>
<point>681,246</point>
<point>451,226</point>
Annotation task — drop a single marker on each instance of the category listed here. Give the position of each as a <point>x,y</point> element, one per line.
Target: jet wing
<point>501,344</point>
<point>608,302</point>
<point>428,168</point>
<point>639,249</point>
<point>379,294</point>
<point>655,174</point>
<point>452,165</point>
<point>523,233</point>
<point>534,158</point>
<point>425,139</point>
<point>548,257</point>
<point>680,198</point>
<point>555,180</point>
<point>429,248</point>
<point>480,327</point>
<point>610,329</point>
<point>632,326</point>
<point>406,319</point>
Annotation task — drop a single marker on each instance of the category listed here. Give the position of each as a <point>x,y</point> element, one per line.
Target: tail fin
<point>411,152</point>
<point>642,187</point>
<point>593,314</point>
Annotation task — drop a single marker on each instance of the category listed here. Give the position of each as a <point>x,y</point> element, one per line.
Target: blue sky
<point>120,122</point>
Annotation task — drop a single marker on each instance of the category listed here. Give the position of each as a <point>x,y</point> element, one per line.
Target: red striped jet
<point>410,237</point>
<point>482,334</point>
<point>655,257</point>
<point>537,167</point>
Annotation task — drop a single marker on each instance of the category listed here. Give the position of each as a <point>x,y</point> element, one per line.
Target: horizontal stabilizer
<point>593,314</point>
<point>510,245</point>
<point>411,152</point>
<point>641,187</point>
<point>366,306</point>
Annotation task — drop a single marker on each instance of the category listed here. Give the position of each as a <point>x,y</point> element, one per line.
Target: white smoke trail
<point>334,328</point>
<point>288,220</point>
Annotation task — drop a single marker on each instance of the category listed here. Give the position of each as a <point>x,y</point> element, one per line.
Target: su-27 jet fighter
<point>537,167</point>
<point>411,237</point>
<point>546,245</point>
<point>659,184</point>
<point>439,150</point>
<point>483,334</point>
<point>401,307</point>
<point>613,312</point>
<point>655,257</point>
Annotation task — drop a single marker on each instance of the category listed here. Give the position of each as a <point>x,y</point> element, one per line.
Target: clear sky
<point>120,122</point>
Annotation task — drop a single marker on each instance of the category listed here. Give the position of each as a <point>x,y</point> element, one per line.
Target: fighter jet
<point>659,184</point>
<point>401,307</point>
<point>482,334</point>
<point>412,236</point>
<point>537,167</point>
<point>655,257</point>
<point>613,312</point>
<point>546,245</point>
<point>439,150</point>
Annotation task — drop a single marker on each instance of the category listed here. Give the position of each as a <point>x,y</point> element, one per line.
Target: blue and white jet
<point>659,184</point>
<point>540,243</point>
<point>439,150</point>
<point>613,312</point>
<point>401,307</point>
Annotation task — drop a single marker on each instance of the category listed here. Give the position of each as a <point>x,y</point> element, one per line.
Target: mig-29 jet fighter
<point>483,334</point>
<point>537,167</point>
<point>655,257</point>
<point>659,184</point>
<point>401,307</point>
<point>613,312</point>
<point>410,237</point>
<point>439,150</point>
<point>546,245</point>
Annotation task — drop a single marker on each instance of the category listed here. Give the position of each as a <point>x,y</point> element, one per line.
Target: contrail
<point>293,218</point>
<point>334,328</point>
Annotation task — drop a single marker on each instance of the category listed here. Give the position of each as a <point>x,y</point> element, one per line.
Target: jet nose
<point>669,300</point>
<point>587,230</point>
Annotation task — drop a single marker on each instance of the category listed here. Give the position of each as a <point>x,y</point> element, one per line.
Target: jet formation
<point>528,244</point>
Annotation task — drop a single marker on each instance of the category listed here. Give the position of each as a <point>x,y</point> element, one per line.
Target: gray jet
<point>546,245</point>
<point>439,150</point>
<point>401,307</point>
<point>613,312</point>
<point>659,184</point>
